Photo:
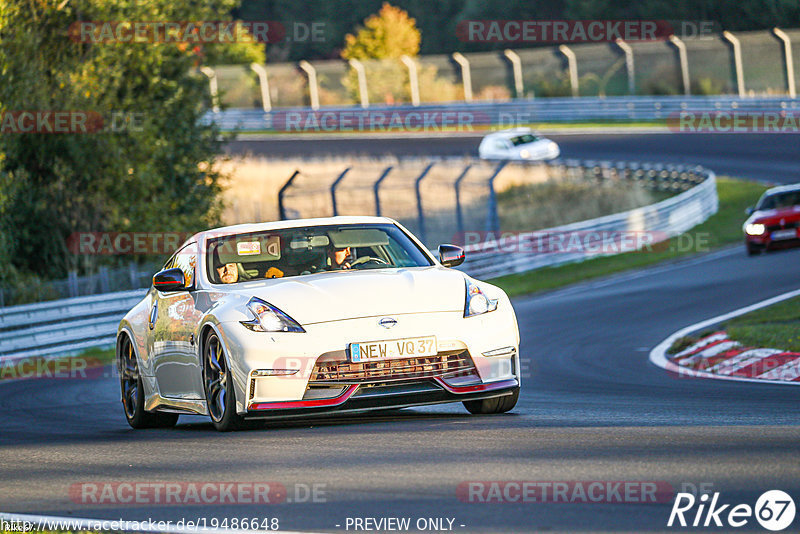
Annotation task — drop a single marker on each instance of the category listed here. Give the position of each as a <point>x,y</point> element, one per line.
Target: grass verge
<point>723,228</point>
<point>775,327</point>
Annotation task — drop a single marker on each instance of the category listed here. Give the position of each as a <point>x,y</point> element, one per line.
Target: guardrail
<point>465,116</point>
<point>63,326</point>
<point>657,222</point>
<point>70,325</point>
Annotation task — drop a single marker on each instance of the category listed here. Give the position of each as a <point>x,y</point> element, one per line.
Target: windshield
<point>780,200</point>
<point>523,139</point>
<point>310,250</point>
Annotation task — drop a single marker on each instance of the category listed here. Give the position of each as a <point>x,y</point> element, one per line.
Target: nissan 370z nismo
<point>311,317</point>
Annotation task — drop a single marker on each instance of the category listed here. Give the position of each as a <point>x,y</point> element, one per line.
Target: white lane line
<point>659,354</point>
<point>52,522</point>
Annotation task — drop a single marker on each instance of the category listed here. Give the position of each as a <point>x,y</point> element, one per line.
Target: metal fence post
<point>376,189</point>
<point>284,188</point>
<point>629,65</point>
<point>572,65</point>
<point>737,61</point>
<point>134,274</point>
<point>466,75</point>
<point>459,214</point>
<point>72,283</point>
<point>362,81</point>
<point>493,219</point>
<point>413,79</point>
<point>516,69</point>
<point>263,82</point>
<point>313,88</point>
<point>683,59</point>
<point>104,282</point>
<point>212,87</point>
<point>420,212</point>
<point>333,190</point>
<point>788,60</point>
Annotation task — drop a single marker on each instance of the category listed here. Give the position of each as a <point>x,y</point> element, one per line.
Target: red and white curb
<point>715,356</point>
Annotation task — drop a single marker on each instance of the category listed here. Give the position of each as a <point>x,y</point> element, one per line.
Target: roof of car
<point>292,223</point>
<point>508,134</point>
<point>783,188</point>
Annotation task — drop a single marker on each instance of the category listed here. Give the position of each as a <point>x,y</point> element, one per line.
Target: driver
<point>338,258</point>
<point>228,273</point>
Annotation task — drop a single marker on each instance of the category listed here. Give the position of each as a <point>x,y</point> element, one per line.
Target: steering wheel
<point>364,260</point>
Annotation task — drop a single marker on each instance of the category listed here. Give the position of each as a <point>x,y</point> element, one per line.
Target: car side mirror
<point>169,280</point>
<point>749,211</point>
<point>451,255</point>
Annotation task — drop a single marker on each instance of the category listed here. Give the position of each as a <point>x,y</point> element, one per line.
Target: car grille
<point>401,369</point>
<point>788,225</point>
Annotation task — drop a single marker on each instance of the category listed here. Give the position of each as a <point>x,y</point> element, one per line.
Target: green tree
<point>379,43</point>
<point>153,172</point>
<point>389,34</point>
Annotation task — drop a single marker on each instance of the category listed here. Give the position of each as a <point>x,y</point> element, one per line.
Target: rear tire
<point>218,382</point>
<point>133,393</point>
<point>494,405</point>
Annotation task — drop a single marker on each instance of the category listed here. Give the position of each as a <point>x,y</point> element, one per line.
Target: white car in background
<point>518,144</point>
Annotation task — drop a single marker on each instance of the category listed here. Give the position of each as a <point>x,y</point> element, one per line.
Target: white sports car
<point>310,317</point>
<point>518,144</point>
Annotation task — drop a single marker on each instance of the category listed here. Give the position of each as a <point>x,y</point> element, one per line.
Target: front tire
<point>494,405</point>
<point>218,381</point>
<point>133,393</point>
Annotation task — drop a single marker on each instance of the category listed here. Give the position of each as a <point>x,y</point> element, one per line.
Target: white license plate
<point>784,234</point>
<point>413,347</point>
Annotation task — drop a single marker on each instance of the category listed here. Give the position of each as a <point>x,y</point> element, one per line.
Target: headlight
<point>268,318</point>
<point>553,146</point>
<point>477,303</point>
<point>524,153</point>
<point>755,229</point>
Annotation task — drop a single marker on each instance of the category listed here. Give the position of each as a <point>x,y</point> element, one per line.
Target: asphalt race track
<point>592,409</point>
<point>769,157</point>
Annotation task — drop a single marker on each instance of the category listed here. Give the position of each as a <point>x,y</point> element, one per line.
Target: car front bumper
<point>487,345</point>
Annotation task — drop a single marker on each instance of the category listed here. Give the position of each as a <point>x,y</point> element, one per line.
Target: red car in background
<point>775,221</point>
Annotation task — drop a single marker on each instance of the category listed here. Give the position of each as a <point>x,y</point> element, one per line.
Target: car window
<point>523,139</point>
<point>780,200</point>
<point>186,260</point>
<point>302,251</point>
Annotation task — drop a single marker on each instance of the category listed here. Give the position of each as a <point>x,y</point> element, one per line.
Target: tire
<point>753,251</point>
<point>494,405</point>
<point>218,386</point>
<point>133,393</point>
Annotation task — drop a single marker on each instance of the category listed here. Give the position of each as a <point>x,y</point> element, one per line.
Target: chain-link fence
<point>706,65</point>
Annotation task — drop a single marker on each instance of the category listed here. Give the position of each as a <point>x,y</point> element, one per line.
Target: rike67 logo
<point>774,510</point>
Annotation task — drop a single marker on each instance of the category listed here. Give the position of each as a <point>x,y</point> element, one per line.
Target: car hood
<point>341,295</point>
<point>774,216</point>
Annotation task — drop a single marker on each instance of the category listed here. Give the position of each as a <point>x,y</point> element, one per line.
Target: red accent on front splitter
<point>502,384</point>
<point>316,403</point>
